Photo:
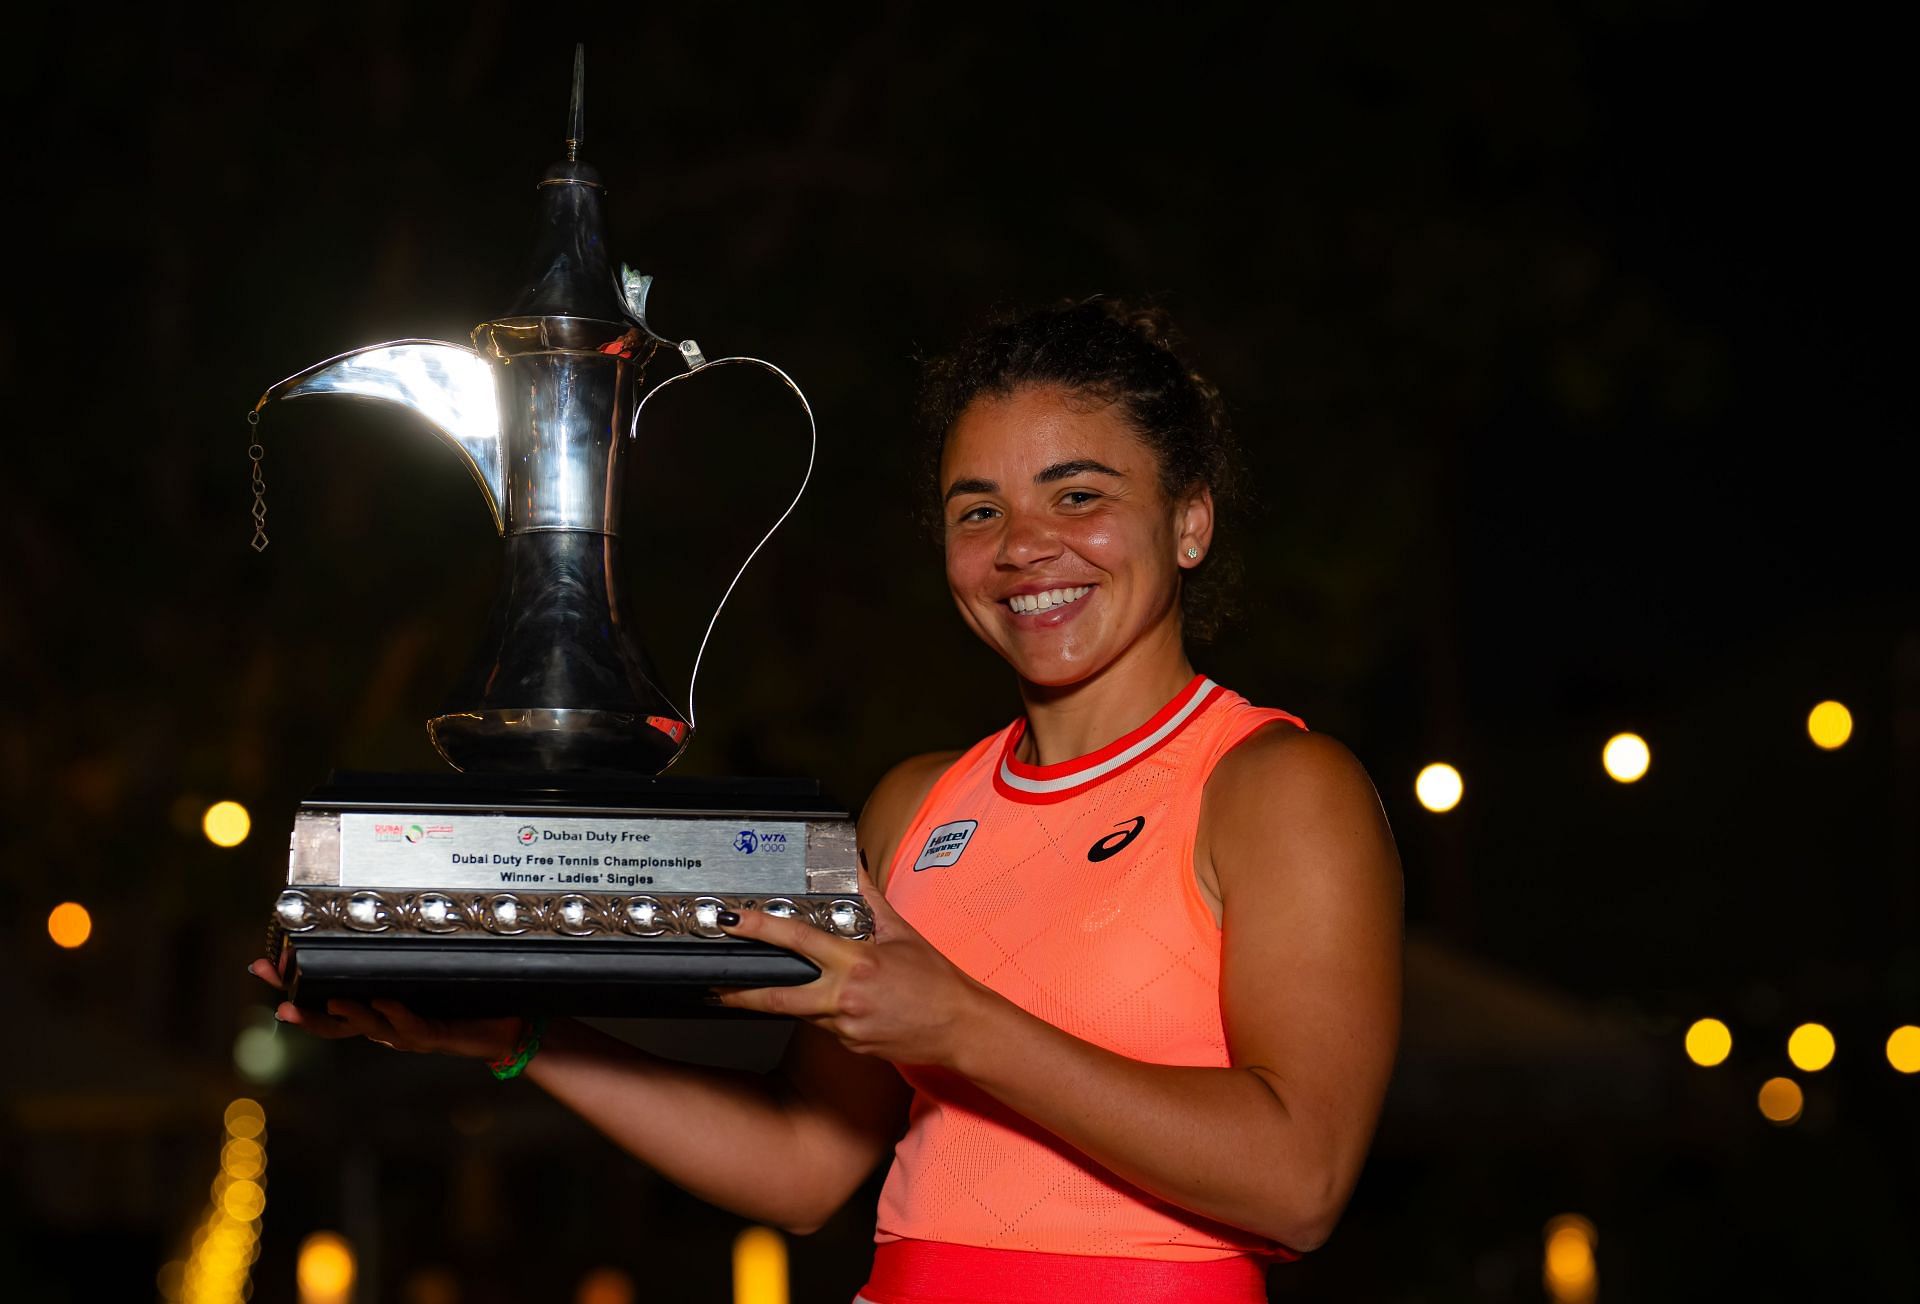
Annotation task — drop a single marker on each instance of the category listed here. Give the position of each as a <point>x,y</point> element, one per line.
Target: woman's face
<point>1063,551</point>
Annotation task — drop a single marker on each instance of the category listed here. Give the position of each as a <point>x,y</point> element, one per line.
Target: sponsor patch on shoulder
<point>945,844</point>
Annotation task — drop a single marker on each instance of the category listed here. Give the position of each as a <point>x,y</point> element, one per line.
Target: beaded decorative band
<point>516,1060</point>
<point>404,912</point>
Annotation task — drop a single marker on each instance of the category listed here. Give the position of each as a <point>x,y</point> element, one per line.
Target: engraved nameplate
<point>571,853</point>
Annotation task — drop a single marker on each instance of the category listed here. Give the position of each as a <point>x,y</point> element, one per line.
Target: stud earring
<point>1192,552</point>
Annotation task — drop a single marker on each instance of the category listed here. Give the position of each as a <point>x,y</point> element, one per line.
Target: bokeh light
<point>69,925</point>
<point>1781,1101</point>
<point>226,824</point>
<point>1439,787</point>
<point>243,1159</point>
<point>759,1267</point>
<point>325,1269</point>
<point>1568,1269</point>
<point>243,1200</point>
<point>1709,1042</point>
<point>1810,1047</point>
<point>1903,1049</point>
<point>606,1286</point>
<point>1626,757</point>
<point>225,1243</point>
<point>260,1053</point>
<point>245,1118</point>
<point>1829,725</point>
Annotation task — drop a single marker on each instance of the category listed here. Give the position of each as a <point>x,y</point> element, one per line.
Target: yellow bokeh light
<point>1626,757</point>
<point>1829,725</point>
<point>226,824</point>
<point>1810,1047</point>
<point>1903,1049</point>
<point>243,1200</point>
<point>605,1286</point>
<point>1781,1101</point>
<point>759,1267</point>
<point>245,1119</point>
<point>69,925</point>
<point>1709,1042</point>
<point>1568,1270</point>
<point>243,1158</point>
<point>325,1269</point>
<point>1439,787</point>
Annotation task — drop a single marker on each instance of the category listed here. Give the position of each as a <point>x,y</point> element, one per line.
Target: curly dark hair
<point>1112,352</point>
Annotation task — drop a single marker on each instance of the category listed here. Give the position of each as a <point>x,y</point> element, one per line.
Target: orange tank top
<point>1069,890</point>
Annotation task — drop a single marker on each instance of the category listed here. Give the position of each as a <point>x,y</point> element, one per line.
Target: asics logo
<point>1115,843</point>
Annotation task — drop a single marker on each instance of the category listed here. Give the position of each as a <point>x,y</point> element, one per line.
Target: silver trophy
<point>556,868</point>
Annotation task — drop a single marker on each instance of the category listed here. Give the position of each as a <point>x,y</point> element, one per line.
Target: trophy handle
<point>448,386</point>
<point>696,364</point>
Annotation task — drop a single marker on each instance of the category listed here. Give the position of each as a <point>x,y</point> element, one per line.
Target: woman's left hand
<point>894,997</point>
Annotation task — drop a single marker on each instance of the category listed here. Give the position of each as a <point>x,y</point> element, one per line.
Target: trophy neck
<point>565,387</point>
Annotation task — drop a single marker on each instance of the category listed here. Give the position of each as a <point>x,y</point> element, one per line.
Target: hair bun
<point>1148,321</point>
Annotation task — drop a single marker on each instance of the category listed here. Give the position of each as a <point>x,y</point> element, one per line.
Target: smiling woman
<point>1104,354</point>
<point>1050,495</point>
<point>1174,915</point>
<point>1132,999</point>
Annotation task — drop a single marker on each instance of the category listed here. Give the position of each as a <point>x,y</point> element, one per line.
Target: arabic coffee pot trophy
<point>556,867</point>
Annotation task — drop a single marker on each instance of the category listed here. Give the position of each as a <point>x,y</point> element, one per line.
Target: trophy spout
<point>448,386</point>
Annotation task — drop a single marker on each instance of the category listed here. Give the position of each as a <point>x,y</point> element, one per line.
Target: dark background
<point>1563,342</point>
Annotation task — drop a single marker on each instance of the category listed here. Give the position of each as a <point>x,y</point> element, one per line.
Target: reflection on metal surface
<point>449,387</point>
<point>450,851</point>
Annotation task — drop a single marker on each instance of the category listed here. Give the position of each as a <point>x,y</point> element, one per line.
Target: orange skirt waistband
<point>934,1272</point>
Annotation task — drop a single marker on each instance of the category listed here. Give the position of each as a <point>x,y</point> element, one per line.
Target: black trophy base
<point>465,927</point>
<point>482,979</point>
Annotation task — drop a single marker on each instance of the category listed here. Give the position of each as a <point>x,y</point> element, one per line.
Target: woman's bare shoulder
<point>892,805</point>
<point>1283,756</point>
<point>1286,795</point>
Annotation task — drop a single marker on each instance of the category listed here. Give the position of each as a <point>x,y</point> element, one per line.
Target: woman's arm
<point>786,1148</point>
<point>1310,992</point>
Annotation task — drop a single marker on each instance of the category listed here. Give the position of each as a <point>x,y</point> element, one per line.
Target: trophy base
<point>459,895</point>
<point>493,978</point>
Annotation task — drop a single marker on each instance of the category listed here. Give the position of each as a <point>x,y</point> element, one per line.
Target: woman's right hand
<point>392,1024</point>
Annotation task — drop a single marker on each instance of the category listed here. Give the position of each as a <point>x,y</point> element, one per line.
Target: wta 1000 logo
<point>750,841</point>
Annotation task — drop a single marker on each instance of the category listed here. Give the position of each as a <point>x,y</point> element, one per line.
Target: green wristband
<point>514,1061</point>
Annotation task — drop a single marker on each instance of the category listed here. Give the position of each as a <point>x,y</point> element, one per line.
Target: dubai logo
<point>527,834</point>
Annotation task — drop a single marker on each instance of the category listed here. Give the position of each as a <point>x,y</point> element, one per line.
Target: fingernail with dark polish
<point>728,918</point>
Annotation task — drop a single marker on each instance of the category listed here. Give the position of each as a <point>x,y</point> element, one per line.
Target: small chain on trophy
<point>255,453</point>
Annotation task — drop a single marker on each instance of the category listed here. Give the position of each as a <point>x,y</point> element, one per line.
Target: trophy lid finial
<point>570,273</point>
<point>577,106</point>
